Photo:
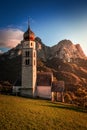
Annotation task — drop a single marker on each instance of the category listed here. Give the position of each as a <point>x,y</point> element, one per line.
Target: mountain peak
<point>66,50</point>
<point>65,42</point>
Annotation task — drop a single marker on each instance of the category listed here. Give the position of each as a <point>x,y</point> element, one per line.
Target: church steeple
<point>29,63</point>
<point>29,35</point>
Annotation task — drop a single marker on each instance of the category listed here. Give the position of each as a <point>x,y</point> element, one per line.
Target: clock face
<point>26,44</point>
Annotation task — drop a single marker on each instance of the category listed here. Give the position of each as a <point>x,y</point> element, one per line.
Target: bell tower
<point>29,64</point>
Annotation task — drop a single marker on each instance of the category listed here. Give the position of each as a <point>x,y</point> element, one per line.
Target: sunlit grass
<point>17,113</point>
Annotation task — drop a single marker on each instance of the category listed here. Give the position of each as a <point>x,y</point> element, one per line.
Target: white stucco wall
<point>16,89</point>
<point>44,91</point>
<point>27,92</point>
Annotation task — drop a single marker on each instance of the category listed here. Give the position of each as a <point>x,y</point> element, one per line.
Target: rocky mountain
<point>64,50</point>
<point>65,60</point>
<point>67,51</point>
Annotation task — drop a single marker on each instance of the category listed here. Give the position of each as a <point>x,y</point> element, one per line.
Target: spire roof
<point>29,35</point>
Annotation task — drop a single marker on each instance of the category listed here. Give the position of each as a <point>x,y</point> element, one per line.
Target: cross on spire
<point>28,23</point>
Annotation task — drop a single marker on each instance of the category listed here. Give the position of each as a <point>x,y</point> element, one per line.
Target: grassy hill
<point>17,113</point>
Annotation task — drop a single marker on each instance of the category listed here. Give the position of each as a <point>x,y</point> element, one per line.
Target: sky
<point>51,20</point>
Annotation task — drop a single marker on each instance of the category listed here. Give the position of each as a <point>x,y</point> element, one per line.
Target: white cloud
<point>10,37</point>
<point>1,51</point>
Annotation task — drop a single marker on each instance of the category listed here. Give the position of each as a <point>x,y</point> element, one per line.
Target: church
<point>32,83</point>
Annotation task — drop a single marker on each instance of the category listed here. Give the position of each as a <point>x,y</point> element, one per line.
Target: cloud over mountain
<point>10,37</point>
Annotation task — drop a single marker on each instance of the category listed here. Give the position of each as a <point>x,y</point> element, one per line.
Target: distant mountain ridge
<point>64,50</point>
<point>65,60</point>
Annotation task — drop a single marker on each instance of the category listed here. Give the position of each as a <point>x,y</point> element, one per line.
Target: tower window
<point>34,54</point>
<point>34,62</point>
<point>31,44</point>
<point>27,61</point>
<point>27,53</point>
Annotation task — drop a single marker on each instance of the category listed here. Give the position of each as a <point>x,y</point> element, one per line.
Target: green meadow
<point>17,113</point>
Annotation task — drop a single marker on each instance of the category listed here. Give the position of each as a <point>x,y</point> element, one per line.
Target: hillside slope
<point>27,114</point>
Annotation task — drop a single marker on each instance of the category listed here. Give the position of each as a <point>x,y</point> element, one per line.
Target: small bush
<point>67,98</point>
<point>5,87</point>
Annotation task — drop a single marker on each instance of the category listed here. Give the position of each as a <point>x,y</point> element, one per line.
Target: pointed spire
<point>29,35</point>
<point>28,24</point>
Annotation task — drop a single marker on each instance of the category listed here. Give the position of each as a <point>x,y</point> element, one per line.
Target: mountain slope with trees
<point>65,60</point>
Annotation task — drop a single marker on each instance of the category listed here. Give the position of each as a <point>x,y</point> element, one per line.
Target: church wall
<point>26,77</point>
<point>59,96</point>
<point>27,92</point>
<point>29,70</point>
<point>44,92</point>
<point>15,89</point>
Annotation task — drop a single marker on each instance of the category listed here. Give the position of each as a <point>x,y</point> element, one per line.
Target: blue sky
<point>51,20</point>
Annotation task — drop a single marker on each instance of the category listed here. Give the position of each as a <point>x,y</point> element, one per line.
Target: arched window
<point>31,44</point>
<point>27,61</point>
<point>34,62</point>
<point>27,53</point>
<point>34,54</point>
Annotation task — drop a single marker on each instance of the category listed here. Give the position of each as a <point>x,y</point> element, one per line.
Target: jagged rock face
<point>14,52</point>
<point>67,51</point>
<point>64,50</point>
<point>80,51</point>
<point>44,51</point>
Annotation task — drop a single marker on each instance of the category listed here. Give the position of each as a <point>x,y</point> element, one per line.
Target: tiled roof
<point>44,79</point>
<point>58,86</point>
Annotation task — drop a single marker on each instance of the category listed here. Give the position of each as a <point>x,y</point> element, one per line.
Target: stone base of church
<point>26,92</point>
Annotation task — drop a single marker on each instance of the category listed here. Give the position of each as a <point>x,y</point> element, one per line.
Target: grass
<point>17,113</point>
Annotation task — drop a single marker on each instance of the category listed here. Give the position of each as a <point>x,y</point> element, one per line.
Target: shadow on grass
<point>57,104</point>
<point>66,107</point>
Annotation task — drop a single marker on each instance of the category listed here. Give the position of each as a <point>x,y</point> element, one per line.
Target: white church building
<point>32,84</point>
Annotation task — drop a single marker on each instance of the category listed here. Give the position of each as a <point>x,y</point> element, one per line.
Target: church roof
<point>44,79</point>
<point>58,86</point>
